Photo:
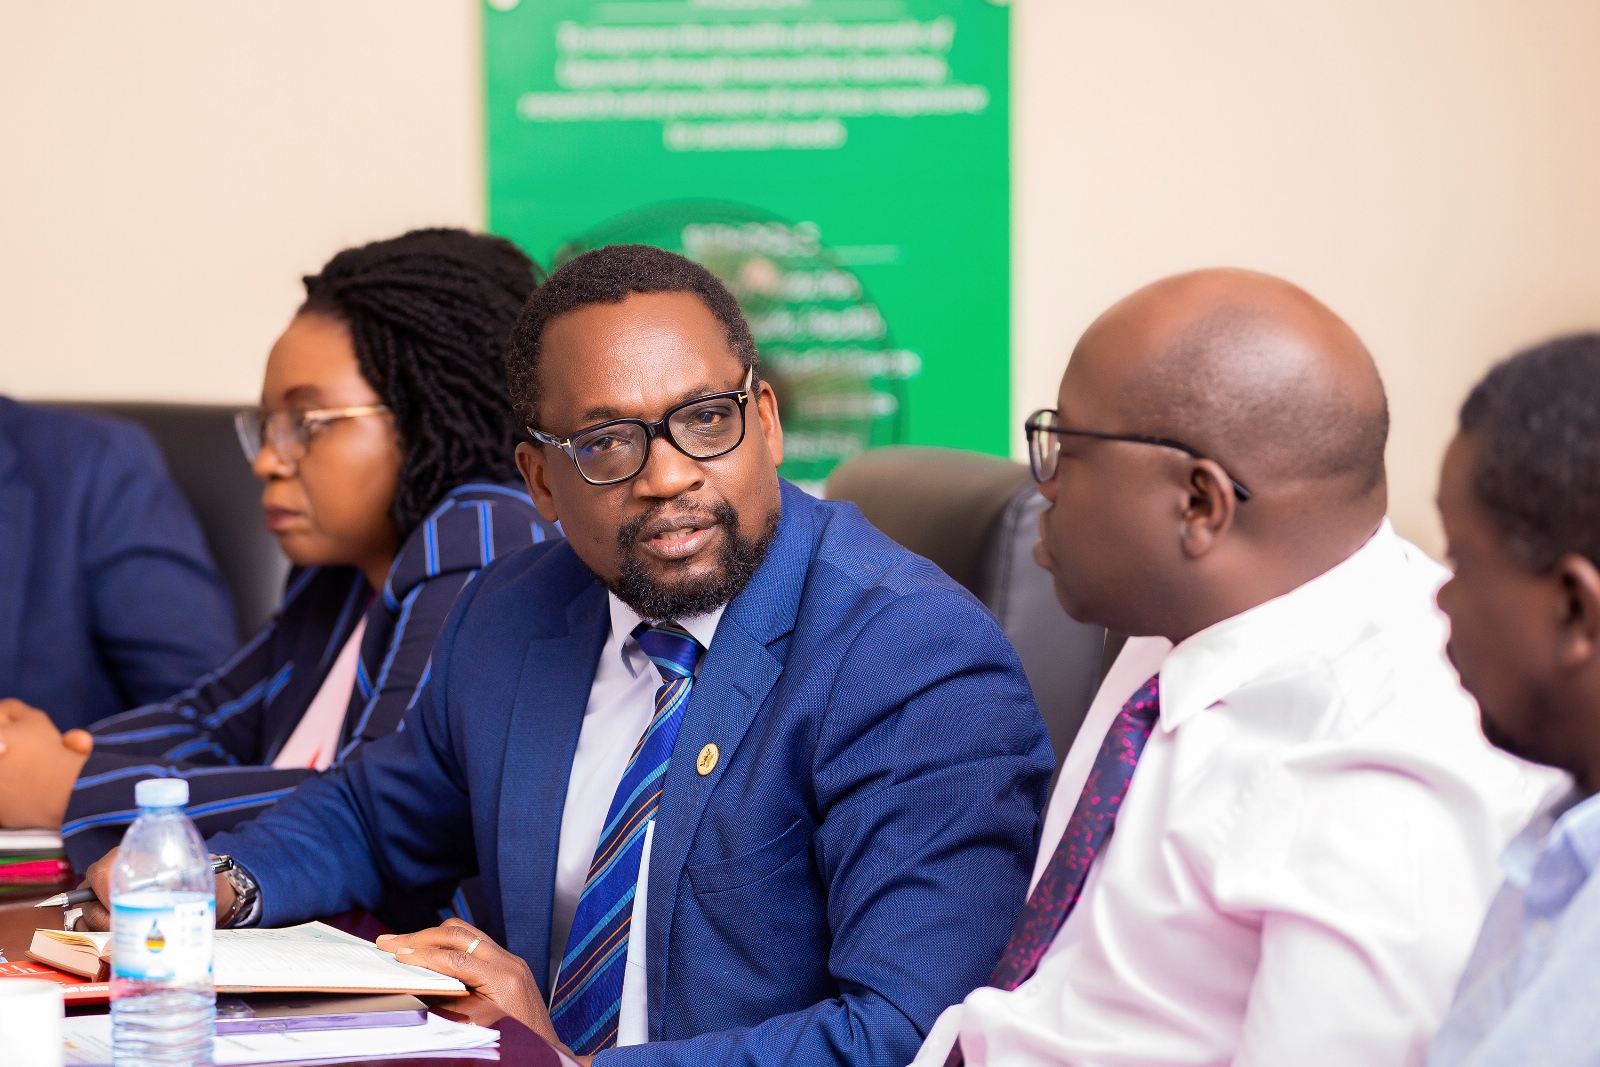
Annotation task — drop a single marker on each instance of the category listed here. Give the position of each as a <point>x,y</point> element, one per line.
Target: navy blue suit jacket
<point>851,866</point>
<point>108,595</point>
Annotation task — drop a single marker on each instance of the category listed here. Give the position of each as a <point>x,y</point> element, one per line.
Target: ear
<point>535,473</point>
<point>771,428</point>
<point>1580,629</point>
<point>1209,512</point>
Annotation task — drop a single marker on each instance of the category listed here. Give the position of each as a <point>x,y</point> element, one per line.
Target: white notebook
<point>310,958</point>
<point>21,842</point>
<point>316,958</point>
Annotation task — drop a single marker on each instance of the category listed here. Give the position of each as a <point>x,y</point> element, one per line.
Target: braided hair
<point>429,313</point>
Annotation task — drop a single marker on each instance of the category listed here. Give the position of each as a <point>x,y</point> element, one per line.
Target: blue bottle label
<point>157,938</point>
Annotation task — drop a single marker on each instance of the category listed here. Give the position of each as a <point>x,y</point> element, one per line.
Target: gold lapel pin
<point>707,761</point>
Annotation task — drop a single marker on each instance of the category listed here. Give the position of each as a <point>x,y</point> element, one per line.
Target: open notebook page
<point>314,957</point>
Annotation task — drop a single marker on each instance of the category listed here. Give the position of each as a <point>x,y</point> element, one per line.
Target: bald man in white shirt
<point>1276,834</point>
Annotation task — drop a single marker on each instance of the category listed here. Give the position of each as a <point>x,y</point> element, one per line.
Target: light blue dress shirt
<point>1531,991</point>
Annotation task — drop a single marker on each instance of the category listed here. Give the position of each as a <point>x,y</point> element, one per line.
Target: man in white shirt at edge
<point>1299,865</point>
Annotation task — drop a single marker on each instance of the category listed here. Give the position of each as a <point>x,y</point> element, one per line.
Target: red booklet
<point>78,991</point>
<point>35,872</point>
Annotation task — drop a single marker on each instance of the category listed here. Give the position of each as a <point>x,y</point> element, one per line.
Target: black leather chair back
<point>976,516</point>
<point>203,454</point>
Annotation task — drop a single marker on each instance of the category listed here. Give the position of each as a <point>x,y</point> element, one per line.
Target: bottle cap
<point>161,793</point>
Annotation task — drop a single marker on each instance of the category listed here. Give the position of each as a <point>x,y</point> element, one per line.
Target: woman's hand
<point>499,977</point>
<point>39,766</point>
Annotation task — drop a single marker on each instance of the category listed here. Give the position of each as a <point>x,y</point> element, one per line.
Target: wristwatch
<point>246,896</point>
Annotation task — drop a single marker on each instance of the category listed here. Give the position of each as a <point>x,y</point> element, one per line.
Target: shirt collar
<point>1555,856</point>
<point>1207,666</point>
<point>1580,825</point>
<point>623,620</point>
<point>1517,858</point>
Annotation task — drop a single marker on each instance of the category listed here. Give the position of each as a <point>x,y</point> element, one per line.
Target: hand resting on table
<point>497,978</point>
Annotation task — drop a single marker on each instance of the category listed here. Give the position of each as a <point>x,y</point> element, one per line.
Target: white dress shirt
<point>622,701</point>
<point>1303,857</point>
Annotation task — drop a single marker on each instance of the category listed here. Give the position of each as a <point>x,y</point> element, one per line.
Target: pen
<point>84,895</point>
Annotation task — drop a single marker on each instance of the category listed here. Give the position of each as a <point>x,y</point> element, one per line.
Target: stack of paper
<point>88,1043</point>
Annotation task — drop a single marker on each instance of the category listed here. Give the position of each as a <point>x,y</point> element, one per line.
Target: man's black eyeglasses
<point>1044,450</point>
<point>703,428</point>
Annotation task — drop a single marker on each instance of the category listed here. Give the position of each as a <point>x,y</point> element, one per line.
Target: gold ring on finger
<point>475,943</point>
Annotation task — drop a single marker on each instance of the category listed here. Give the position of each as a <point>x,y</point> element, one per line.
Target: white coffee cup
<point>31,1014</point>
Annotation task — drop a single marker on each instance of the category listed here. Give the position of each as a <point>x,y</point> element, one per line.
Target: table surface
<point>519,1046</point>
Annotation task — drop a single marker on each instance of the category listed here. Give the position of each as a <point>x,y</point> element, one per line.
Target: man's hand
<point>96,913</point>
<point>492,973</point>
<point>38,765</point>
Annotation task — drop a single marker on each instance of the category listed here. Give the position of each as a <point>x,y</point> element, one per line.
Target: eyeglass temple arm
<point>1166,442</point>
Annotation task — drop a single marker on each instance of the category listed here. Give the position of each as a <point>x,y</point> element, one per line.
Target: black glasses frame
<point>652,430</point>
<point>1033,428</point>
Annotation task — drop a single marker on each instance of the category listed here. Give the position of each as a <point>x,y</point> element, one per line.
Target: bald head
<point>1272,391</point>
<point>1251,371</point>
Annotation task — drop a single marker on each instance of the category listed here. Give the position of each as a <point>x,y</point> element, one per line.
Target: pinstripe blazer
<point>223,732</point>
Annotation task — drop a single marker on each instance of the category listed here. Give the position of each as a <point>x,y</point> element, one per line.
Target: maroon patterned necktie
<point>1053,899</point>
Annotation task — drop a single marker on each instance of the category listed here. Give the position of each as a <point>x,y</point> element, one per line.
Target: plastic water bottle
<point>163,917</point>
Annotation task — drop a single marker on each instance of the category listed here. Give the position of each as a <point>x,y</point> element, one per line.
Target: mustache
<point>683,595</point>
<point>658,519</point>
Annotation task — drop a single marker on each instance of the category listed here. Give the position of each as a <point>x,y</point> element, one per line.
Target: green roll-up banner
<point>841,164</point>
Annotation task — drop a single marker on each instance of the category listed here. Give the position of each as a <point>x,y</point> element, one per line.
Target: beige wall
<point>172,167</point>
<point>1427,167</point>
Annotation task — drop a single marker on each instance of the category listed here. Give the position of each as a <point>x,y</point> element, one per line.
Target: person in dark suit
<point>384,440</point>
<point>745,781</point>
<point>109,598</point>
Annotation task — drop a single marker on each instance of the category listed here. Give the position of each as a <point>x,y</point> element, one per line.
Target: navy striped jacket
<point>223,732</point>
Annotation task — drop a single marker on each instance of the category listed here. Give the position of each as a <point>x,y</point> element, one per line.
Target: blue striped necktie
<point>588,996</point>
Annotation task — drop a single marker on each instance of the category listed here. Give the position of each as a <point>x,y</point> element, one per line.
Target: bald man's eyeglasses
<point>1044,432</point>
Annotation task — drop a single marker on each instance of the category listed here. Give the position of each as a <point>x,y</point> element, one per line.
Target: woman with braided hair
<point>385,442</point>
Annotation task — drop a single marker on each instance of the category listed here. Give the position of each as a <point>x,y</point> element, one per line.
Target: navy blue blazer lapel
<point>552,694</point>
<point>738,672</point>
<point>16,537</point>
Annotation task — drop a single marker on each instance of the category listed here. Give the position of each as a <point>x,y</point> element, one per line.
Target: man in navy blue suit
<point>746,782</point>
<point>109,598</point>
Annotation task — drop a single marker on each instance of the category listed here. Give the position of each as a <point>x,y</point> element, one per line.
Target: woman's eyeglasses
<point>288,431</point>
<point>703,428</point>
<point>1044,432</point>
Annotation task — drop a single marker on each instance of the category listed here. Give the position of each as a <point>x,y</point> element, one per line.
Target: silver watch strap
<point>247,898</point>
